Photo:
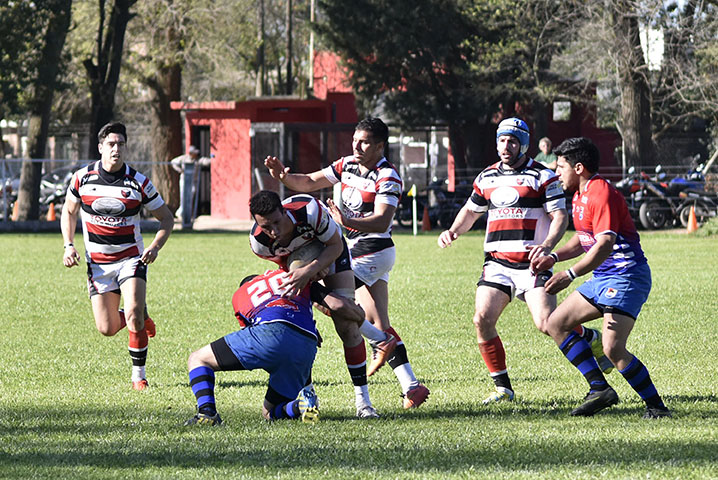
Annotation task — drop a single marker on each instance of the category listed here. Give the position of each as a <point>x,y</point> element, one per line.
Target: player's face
<point>508,148</point>
<point>112,149</point>
<point>567,175</point>
<point>276,224</point>
<point>367,151</point>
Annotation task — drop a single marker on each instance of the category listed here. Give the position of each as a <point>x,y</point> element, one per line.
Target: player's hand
<point>557,282</point>
<point>149,255</point>
<point>70,258</point>
<point>276,168</point>
<point>542,263</point>
<point>335,212</point>
<point>297,280</point>
<point>536,251</point>
<point>446,238</point>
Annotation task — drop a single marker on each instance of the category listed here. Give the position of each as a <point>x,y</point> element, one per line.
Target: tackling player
<point>278,335</point>
<point>283,227</point>
<point>109,196</point>
<point>370,191</point>
<point>618,289</point>
<point>526,219</point>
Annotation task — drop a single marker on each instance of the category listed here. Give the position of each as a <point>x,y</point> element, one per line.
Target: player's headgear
<point>517,128</point>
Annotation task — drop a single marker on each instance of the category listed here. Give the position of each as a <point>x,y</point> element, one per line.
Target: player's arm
<point>556,230</point>
<point>68,224</point>
<point>595,256</point>
<point>378,221</point>
<point>167,223</point>
<point>299,182</point>
<point>338,304</point>
<point>300,277</point>
<point>463,222</point>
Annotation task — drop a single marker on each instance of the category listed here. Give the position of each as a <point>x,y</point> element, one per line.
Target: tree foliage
<point>444,61</point>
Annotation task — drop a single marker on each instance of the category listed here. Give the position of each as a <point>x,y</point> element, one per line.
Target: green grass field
<point>67,410</point>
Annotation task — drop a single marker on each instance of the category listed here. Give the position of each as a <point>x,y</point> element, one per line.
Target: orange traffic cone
<point>692,223</point>
<point>15,212</point>
<point>51,213</point>
<point>425,222</point>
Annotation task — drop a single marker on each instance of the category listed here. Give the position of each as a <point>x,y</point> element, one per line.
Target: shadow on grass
<point>418,440</point>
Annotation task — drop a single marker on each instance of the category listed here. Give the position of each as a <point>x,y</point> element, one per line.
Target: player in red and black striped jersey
<point>526,219</point>
<point>108,195</point>
<point>283,227</point>
<point>370,192</point>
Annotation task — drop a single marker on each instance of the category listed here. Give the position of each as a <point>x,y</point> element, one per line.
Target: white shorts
<point>512,281</point>
<point>374,266</point>
<point>107,277</point>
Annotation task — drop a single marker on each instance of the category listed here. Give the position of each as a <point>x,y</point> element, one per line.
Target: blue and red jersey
<point>260,301</point>
<point>599,210</point>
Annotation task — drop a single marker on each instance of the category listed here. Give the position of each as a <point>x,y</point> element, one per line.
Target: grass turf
<point>67,410</point>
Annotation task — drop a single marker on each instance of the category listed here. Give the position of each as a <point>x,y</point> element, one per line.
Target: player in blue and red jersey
<point>618,289</point>
<point>278,335</point>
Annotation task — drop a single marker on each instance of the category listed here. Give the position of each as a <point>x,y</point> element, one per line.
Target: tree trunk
<point>40,105</point>
<point>105,75</point>
<point>289,47</point>
<point>166,130</point>
<point>261,67</point>
<point>635,116</point>
<point>458,150</point>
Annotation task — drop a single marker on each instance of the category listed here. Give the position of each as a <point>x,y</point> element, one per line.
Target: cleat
<point>140,385</point>
<point>597,349</point>
<point>595,402</point>
<point>657,412</point>
<point>415,396</point>
<point>308,405</point>
<point>367,411</point>
<point>499,396</point>
<point>204,419</point>
<point>380,353</point>
<point>150,327</point>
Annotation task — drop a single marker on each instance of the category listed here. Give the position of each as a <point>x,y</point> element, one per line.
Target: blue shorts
<point>626,292</point>
<point>281,351</point>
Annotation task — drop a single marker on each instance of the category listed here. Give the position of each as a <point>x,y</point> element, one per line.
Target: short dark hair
<point>248,278</point>
<point>112,127</point>
<point>579,150</point>
<point>264,202</point>
<point>378,129</point>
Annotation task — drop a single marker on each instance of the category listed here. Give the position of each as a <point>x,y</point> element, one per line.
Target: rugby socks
<point>356,363</point>
<point>285,410</point>
<point>138,353</point>
<point>494,357</point>
<point>370,332</point>
<point>636,374</point>
<point>578,352</point>
<point>399,362</point>
<point>201,379</point>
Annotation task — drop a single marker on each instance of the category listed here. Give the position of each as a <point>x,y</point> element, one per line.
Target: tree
<point>21,40</point>
<point>442,61</point>
<point>103,72</point>
<point>57,17</point>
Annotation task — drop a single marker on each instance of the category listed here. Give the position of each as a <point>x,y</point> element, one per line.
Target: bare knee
<point>483,324</point>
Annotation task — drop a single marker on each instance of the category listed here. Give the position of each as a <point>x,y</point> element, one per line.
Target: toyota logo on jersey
<point>504,196</point>
<point>351,197</point>
<point>108,206</point>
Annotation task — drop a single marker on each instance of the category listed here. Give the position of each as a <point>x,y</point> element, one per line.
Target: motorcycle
<point>648,199</point>
<point>704,204</point>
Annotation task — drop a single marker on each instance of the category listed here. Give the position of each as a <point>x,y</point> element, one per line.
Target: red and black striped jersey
<point>311,220</point>
<point>110,210</point>
<point>518,203</point>
<point>361,191</point>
